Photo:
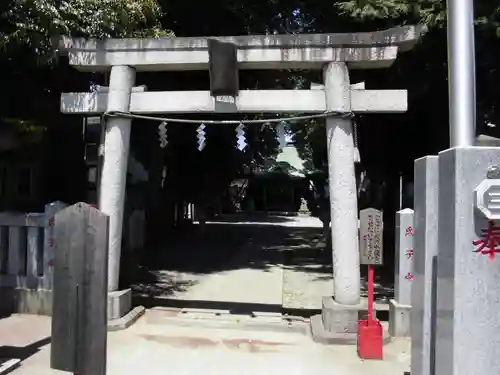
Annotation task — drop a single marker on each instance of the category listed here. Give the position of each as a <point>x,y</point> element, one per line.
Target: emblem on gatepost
<point>487,198</point>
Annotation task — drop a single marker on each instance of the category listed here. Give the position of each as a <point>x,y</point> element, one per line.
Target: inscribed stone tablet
<point>370,236</point>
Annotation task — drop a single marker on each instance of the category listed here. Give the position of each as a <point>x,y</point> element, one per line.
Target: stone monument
<point>400,306</point>
<point>425,244</point>
<point>468,276</point>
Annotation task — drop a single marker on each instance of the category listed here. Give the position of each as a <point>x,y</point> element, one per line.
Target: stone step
<point>224,320</point>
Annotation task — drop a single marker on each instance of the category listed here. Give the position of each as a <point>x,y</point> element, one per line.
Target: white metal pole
<point>461,72</point>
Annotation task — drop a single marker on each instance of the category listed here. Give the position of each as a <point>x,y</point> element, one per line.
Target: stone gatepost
<point>468,263</point>
<point>425,244</point>
<point>400,306</point>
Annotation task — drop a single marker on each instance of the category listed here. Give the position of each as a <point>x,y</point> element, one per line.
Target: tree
<point>34,76</point>
<point>35,23</point>
<point>29,31</point>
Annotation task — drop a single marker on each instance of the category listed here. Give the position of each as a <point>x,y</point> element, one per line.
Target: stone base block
<point>399,319</point>
<point>338,318</point>
<point>26,301</point>
<point>127,320</point>
<point>337,324</point>
<point>39,302</point>
<point>321,335</point>
<point>119,303</point>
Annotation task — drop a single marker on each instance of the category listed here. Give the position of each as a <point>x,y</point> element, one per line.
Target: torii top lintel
<point>367,50</point>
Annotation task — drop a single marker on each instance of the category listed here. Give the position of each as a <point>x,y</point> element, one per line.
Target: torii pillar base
<point>121,315</point>
<point>338,324</point>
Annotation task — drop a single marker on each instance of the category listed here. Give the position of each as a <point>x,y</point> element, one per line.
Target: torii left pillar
<point>338,322</point>
<point>113,181</point>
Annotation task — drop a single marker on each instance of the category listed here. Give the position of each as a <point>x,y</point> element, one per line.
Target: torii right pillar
<point>342,188</point>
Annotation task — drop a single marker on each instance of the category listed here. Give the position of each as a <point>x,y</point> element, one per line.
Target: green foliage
<point>429,12</point>
<point>36,24</point>
<point>30,31</point>
<point>28,130</point>
<point>310,141</point>
<point>423,72</point>
<point>369,9</point>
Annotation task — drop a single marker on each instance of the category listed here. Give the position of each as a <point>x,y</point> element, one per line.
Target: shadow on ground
<point>384,282</point>
<point>262,218</point>
<point>383,291</point>
<point>23,352</point>
<point>237,308</point>
<point>233,308</point>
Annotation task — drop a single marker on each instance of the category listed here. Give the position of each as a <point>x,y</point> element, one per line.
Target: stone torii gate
<point>335,54</point>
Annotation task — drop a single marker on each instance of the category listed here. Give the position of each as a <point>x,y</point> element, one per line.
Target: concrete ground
<point>223,292</point>
<point>152,346</point>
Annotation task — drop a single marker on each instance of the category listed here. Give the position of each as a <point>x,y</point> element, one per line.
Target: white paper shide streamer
<point>201,136</point>
<point>241,142</point>
<point>162,134</point>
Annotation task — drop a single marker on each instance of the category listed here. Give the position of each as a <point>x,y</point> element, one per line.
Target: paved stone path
<point>278,261</point>
<point>262,260</point>
<point>307,269</point>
